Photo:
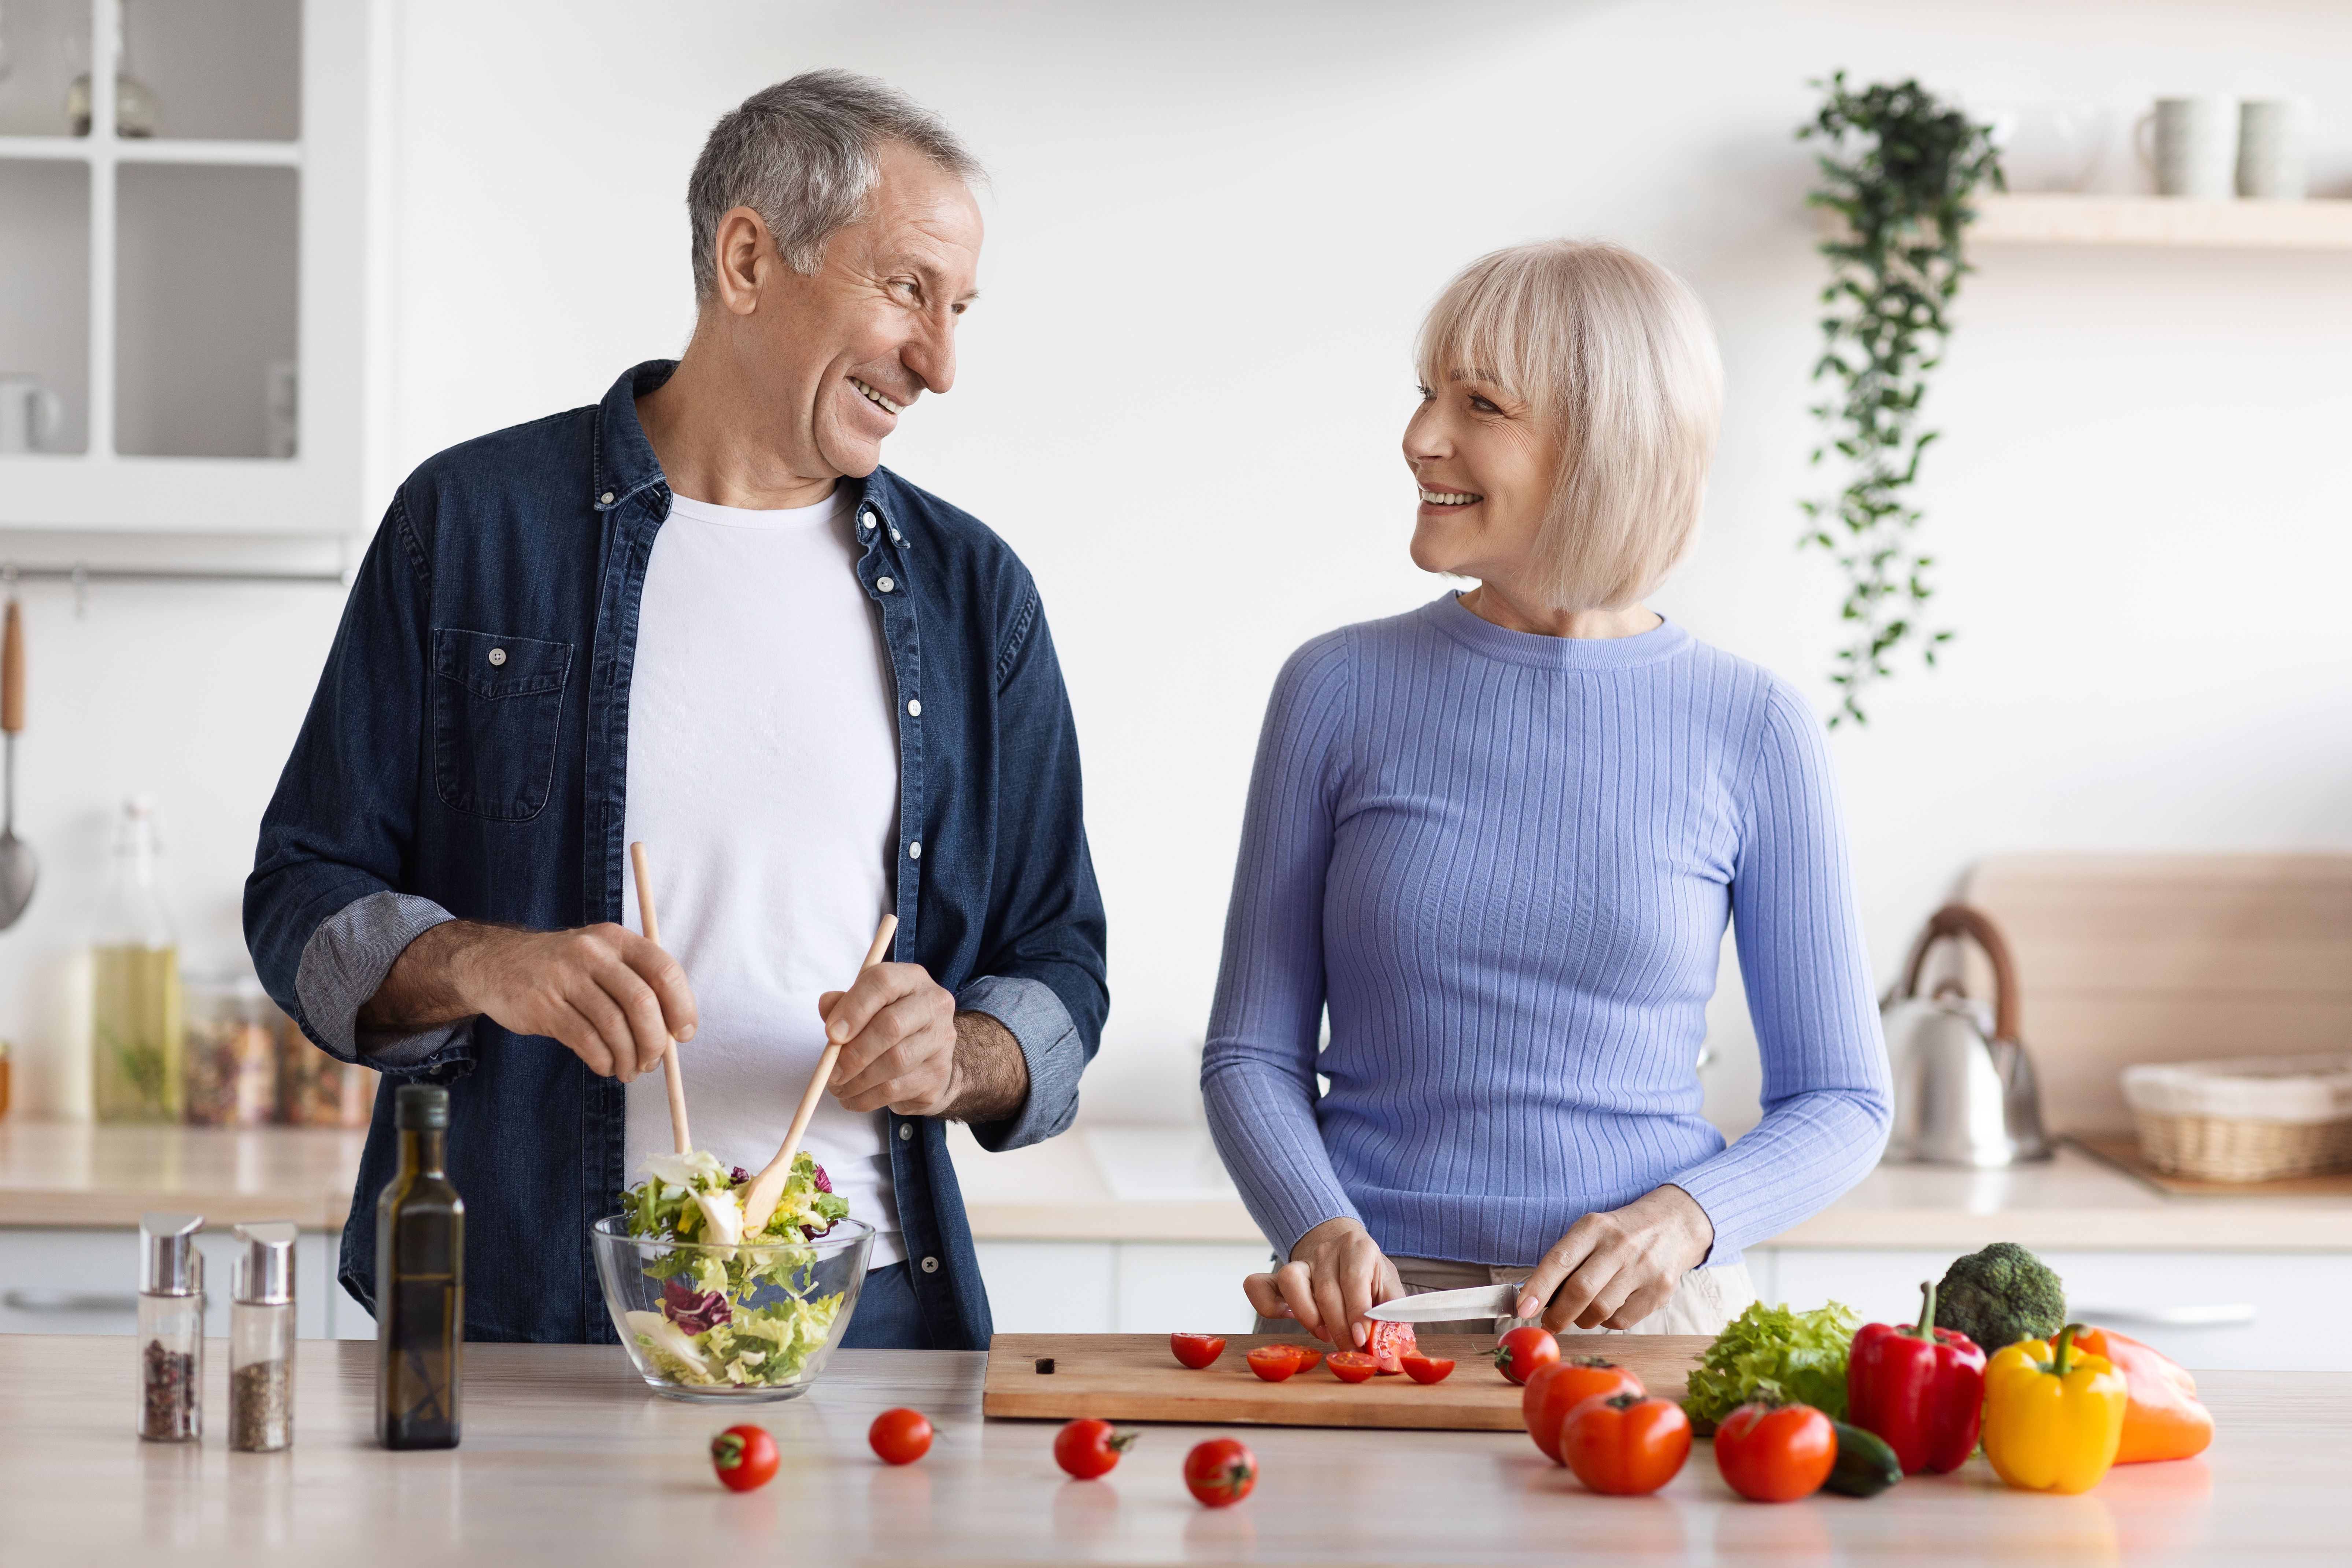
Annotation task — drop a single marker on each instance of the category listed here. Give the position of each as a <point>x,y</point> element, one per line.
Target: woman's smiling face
<point>1485,472</point>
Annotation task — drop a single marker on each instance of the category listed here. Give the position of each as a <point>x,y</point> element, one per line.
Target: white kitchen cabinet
<point>1118,1287</point>
<point>87,1282</point>
<point>2296,1298</point>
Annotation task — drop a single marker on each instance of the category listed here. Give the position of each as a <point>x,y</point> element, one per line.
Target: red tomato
<point>1626,1444</point>
<point>744,1456</point>
<point>1775,1453</point>
<point>1088,1447</point>
<point>1387,1343</point>
<point>1426,1368</point>
<point>1558,1387</point>
<point>1524,1350</point>
<point>1275,1362</point>
<point>1221,1472</point>
<point>901,1437</point>
<point>1197,1351</point>
<point>1351,1366</point>
<point>1307,1356</point>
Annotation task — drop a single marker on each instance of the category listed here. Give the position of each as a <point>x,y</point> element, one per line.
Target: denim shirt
<point>431,781</point>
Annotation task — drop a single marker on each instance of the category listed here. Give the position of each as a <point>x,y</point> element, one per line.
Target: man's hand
<point>1336,1274</point>
<point>904,1045</point>
<point>613,999</point>
<point>1613,1270</point>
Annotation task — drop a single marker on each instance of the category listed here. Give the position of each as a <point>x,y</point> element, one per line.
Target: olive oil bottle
<point>420,1281</point>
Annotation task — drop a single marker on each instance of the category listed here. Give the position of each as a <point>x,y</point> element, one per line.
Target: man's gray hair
<point>801,155</point>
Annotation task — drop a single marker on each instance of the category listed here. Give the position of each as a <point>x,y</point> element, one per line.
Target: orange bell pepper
<point>2163,1418</point>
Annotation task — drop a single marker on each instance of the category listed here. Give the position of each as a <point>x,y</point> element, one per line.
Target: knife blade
<point>1444,1305</point>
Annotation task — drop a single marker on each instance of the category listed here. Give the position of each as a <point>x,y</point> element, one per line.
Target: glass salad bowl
<point>732,1321</point>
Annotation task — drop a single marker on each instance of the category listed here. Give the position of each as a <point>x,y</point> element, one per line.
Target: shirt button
<point>915,851</point>
<point>885,584</point>
<point>607,498</point>
<point>896,538</point>
<point>905,1132</point>
<point>865,521</point>
<point>914,708</point>
<point>930,1266</point>
<point>498,655</point>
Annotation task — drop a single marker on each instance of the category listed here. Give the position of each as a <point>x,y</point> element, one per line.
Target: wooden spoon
<point>669,1056</point>
<point>760,1197</point>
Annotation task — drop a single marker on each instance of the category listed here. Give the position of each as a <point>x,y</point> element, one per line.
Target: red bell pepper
<point>1920,1387</point>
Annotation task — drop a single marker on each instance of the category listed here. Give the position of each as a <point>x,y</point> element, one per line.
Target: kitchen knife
<point>1445,1306</point>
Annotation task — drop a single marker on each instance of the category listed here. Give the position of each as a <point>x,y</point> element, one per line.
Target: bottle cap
<point>170,1264</point>
<point>263,1275</point>
<point>420,1107</point>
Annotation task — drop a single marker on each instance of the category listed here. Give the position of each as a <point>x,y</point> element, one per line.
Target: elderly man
<point>701,616</point>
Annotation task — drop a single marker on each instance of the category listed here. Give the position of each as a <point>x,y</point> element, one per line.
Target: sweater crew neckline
<point>1572,655</point>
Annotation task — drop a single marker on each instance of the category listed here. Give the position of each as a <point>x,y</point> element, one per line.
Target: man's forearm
<point>422,987</point>
<point>992,1073</point>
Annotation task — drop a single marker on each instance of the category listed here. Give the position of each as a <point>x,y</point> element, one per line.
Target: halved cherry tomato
<point>1276,1363</point>
<point>1523,1350</point>
<point>1307,1357</point>
<point>1387,1343</point>
<point>1558,1387</point>
<point>1775,1453</point>
<point>1221,1472</point>
<point>1197,1351</point>
<point>901,1437</point>
<point>1626,1444</point>
<point>1426,1368</point>
<point>744,1456</point>
<point>1351,1366</point>
<point>1088,1447</point>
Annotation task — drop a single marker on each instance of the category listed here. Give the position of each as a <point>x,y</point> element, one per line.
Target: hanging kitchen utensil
<point>1961,1097</point>
<point>19,867</point>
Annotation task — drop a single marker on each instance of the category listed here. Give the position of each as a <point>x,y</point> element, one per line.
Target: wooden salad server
<point>760,1197</point>
<point>669,1057</point>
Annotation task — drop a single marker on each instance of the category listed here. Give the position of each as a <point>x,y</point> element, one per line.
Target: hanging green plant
<point>1899,168</point>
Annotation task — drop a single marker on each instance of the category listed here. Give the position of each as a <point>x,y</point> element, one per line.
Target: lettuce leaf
<point>1773,1353</point>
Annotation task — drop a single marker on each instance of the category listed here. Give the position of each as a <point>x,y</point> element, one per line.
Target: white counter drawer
<point>1118,1287</point>
<point>2296,1296</point>
<point>87,1282</point>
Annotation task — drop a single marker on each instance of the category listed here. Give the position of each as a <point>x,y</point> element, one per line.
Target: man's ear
<point>745,256</point>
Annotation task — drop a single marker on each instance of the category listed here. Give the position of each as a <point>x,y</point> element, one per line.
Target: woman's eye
<point>1482,405</point>
<point>1425,394</point>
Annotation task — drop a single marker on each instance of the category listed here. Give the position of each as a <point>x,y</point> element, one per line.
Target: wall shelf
<point>2049,218</point>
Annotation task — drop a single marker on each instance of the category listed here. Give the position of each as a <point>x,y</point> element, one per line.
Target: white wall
<point>1212,229</point>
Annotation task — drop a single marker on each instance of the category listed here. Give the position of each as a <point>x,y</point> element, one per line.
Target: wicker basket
<point>2252,1120</point>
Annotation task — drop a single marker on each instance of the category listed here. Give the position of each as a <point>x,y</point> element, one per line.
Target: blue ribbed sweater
<point>1504,862</point>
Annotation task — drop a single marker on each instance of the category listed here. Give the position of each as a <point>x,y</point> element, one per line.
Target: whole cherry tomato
<point>1197,1351</point>
<point>901,1437</point>
<point>1523,1350</point>
<point>1221,1472</point>
<point>1775,1453</point>
<point>1387,1345</point>
<point>1426,1368</point>
<point>1351,1366</point>
<point>1626,1444</point>
<point>1275,1362</point>
<point>744,1456</point>
<point>1088,1447</point>
<point>1558,1387</point>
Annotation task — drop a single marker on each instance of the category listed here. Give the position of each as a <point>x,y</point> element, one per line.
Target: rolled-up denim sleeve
<point>1049,1040</point>
<point>345,964</point>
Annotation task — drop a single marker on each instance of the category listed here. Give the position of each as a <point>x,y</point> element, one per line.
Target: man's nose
<point>930,354</point>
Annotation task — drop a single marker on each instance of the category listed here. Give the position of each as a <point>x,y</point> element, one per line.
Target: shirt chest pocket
<point>498,702</point>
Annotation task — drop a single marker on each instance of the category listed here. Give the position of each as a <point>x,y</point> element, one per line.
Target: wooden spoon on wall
<point>760,1197</point>
<point>669,1057</point>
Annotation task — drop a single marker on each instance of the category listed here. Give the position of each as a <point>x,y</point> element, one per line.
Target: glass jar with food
<point>135,1074</point>
<point>261,1339</point>
<point>230,1057</point>
<point>314,1089</point>
<point>170,1328</point>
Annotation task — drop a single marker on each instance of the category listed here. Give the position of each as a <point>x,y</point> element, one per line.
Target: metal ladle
<point>19,867</point>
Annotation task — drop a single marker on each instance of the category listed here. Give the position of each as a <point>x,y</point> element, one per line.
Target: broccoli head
<point>2000,1296</point>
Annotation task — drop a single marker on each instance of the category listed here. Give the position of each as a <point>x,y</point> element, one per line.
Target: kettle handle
<point>1957,921</point>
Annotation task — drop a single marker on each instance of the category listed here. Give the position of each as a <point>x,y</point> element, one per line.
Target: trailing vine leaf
<point>1899,168</point>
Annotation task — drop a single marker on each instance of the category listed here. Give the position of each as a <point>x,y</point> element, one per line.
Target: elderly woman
<point>1497,839</point>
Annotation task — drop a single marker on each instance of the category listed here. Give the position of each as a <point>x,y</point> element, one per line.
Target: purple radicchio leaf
<point>694,1312</point>
<point>824,1182</point>
<point>811,1232</point>
<point>739,1175</point>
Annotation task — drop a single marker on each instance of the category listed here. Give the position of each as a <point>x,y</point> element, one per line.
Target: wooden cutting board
<point>1134,1377</point>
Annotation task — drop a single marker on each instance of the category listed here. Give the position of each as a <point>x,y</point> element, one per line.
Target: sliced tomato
<point>1197,1351</point>
<point>1308,1356</point>
<point>1426,1368</point>
<point>1351,1366</point>
<point>1275,1362</point>
<point>1386,1342</point>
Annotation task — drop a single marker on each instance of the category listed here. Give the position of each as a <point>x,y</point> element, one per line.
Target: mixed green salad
<point>709,1332</point>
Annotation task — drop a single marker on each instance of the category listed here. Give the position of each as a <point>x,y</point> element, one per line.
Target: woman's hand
<point>1336,1274</point>
<point>1613,1270</point>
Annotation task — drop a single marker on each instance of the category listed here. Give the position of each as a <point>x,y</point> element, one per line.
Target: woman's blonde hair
<point>1616,358</point>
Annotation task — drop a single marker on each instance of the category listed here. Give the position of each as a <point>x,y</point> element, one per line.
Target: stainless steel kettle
<point>1961,1097</point>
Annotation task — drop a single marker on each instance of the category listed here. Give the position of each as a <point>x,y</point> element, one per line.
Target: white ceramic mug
<point>2275,149</point>
<point>2196,147</point>
<point>30,414</point>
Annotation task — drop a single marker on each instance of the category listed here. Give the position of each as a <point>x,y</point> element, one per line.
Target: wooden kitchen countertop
<point>567,1460</point>
<point>78,1174</point>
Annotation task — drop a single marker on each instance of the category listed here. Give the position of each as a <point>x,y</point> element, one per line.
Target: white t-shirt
<point>763,779</point>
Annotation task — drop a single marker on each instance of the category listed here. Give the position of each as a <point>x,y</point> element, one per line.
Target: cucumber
<point>1866,1466</point>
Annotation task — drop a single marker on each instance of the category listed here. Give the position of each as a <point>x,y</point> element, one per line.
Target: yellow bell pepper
<point>2053,1421</point>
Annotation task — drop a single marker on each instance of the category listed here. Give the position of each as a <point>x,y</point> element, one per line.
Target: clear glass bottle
<point>420,1281</point>
<point>170,1328</point>
<point>261,1339</point>
<point>135,1033</point>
